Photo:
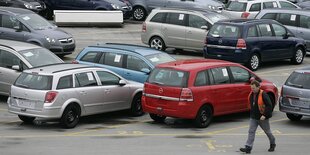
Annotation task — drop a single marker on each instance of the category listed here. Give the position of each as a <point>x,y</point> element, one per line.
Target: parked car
<point>297,21</point>
<point>122,5</point>
<point>252,42</point>
<point>199,89</point>
<point>295,95</point>
<point>17,56</point>
<point>305,4</point>
<point>24,25</point>
<point>249,9</point>
<point>175,28</point>
<point>130,61</point>
<point>141,8</point>
<point>68,91</point>
<point>33,5</point>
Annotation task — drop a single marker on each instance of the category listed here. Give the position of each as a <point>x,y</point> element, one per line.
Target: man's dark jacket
<point>255,113</point>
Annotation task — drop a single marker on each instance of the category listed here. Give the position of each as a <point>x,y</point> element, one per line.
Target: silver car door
<point>195,35</point>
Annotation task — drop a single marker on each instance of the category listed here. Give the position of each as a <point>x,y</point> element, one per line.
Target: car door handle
<point>83,92</point>
<point>107,91</point>
<point>190,32</point>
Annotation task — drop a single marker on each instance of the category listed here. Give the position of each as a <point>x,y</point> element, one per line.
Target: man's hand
<point>262,118</point>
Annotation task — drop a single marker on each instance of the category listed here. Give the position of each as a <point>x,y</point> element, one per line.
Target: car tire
<point>136,106</point>
<point>298,56</point>
<point>139,13</point>
<point>254,62</point>
<point>158,118</point>
<point>204,117</point>
<point>26,119</point>
<point>157,43</point>
<point>70,116</point>
<point>293,117</point>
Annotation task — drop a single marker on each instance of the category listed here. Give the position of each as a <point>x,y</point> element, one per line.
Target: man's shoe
<point>246,149</point>
<point>272,147</point>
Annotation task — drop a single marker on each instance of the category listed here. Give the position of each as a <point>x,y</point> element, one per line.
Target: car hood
<point>117,2</point>
<point>55,33</point>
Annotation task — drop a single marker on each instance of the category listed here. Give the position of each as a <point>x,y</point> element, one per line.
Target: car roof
<point>141,50</point>
<point>17,45</point>
<point>244,21</point>
<point>194,64</point>
<point>197,10</point>
<point>15,11</point>
<point>283,10</point>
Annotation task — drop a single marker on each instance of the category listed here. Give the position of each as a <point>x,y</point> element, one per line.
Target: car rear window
<point>236,6</point>
<point>299,80</point>
<point>34,81</point>
<point>159,58</point>
<point>221,30</point>
<point>168,77</point>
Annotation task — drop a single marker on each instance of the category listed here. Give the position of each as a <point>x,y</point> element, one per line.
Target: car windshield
<point>299,80</point>
<point>221,30</point>
<point>168,77</point>
<point>214,17</point>
<point>159,58</point>
<point>36,22</point>
<point>40,56</point>
<point>34,81</point>
<point>236,6</point>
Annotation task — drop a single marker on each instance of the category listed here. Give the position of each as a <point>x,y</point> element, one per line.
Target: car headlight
<point>50,40</point>
<point>212,7</point>
<point>28,6</point>
<point>116,7</point>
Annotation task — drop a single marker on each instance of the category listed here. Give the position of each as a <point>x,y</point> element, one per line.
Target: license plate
<point>302,104</point>
<point>26,104</point>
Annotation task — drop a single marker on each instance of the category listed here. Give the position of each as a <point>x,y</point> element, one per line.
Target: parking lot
<point>118,133</point>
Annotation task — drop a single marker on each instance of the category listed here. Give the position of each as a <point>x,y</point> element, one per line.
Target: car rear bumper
<point>287,108</point>
<point>239,56</point>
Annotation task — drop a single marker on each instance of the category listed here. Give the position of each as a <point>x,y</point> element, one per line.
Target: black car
<point>252,42</point>
<point>122,5</point>
<point>33,5</point>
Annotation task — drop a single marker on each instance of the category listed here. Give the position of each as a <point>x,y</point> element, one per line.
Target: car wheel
<point>26,119</point>
<point>158,118</point>
<point>70,117</point>
<point>157,43</point>
<point>298,56</point>
<point>139,13</point>
<point>293,117</point>
<point>204,117</point>
<point>254,62</point>
<point>136,106</point>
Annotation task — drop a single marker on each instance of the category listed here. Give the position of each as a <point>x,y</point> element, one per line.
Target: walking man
<point>261,110</point>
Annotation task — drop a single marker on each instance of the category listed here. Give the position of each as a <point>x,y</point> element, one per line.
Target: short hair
<point>255,82</point>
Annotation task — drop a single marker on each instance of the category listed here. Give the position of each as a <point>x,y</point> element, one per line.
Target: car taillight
<point>241,44</point>
<point>75,62</point>
<point>245,15</point>
<point>50,96</point>
<point>186,95</point>
<point>144,27</point>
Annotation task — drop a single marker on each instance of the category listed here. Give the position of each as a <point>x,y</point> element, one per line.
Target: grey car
<point>295,95</point>
<point>141,8</point>
<point>16,56</point>
<point>297,21</point>
<point>176,28</point>
<point>67,91</point>
<point>24,25</point>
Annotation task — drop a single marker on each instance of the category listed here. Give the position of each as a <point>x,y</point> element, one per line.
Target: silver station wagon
<point>68,91</point>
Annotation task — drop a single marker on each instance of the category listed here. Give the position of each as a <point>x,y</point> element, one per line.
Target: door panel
<point>174,30</point>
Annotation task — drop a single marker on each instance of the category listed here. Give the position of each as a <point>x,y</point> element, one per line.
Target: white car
<point>249,9</point>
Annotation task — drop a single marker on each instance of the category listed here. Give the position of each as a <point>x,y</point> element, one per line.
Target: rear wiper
<point>295,85</point>
<point>159,83</point>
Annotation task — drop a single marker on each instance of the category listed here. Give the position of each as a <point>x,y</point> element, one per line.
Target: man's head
<point>255,86</point>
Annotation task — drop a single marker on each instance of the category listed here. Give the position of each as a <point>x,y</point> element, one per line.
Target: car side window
<point>255,7</point>
<point>270,16</point>
<point>65,82</point>
<point>90,57</point>
<point>7,59</point>
<point>107,78</point>
<point>135,63</point>
<point>279,30</point>
<point>305,21</point>
<point>114,59</point>
<point>240,75</point>
<point>197,22</point>
<point>202,79</point>
<point>159,17</point>
<point>10,22</point>
<point>85,79</point>
<point>252,32</point>
<point>176,19</point>
<point>287,19</point>
<point>267,5</point>
<point>220,75</point>
<point>287,5</point>
<point>265,30</point>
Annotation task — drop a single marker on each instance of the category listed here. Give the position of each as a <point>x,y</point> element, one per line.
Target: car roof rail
<point>49,65</point>
<point>126,44</point>
<point>116,48</point>
<point>80,67</point>
<point>8,47</point>
<point>184,9</point>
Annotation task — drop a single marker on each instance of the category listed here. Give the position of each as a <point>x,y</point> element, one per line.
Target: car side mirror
<point>146,70</point>
<point>204,27</point>
<point>16,67</point>
<point>122,82</point>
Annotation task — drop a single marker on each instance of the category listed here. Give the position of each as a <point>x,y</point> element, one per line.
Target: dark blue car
<point>252,42</point>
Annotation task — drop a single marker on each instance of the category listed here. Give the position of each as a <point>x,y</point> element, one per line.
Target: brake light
<point>245,15</point>
<point>186,95</point>
<point>50,96</point>
<point>241,44</point>
<point>75,62</point>
<point>144,27</point>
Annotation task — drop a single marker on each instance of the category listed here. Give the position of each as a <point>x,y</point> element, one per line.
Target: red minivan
<point>199,89</point>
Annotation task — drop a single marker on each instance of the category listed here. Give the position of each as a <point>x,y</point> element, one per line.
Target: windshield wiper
<point>295,85</point>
